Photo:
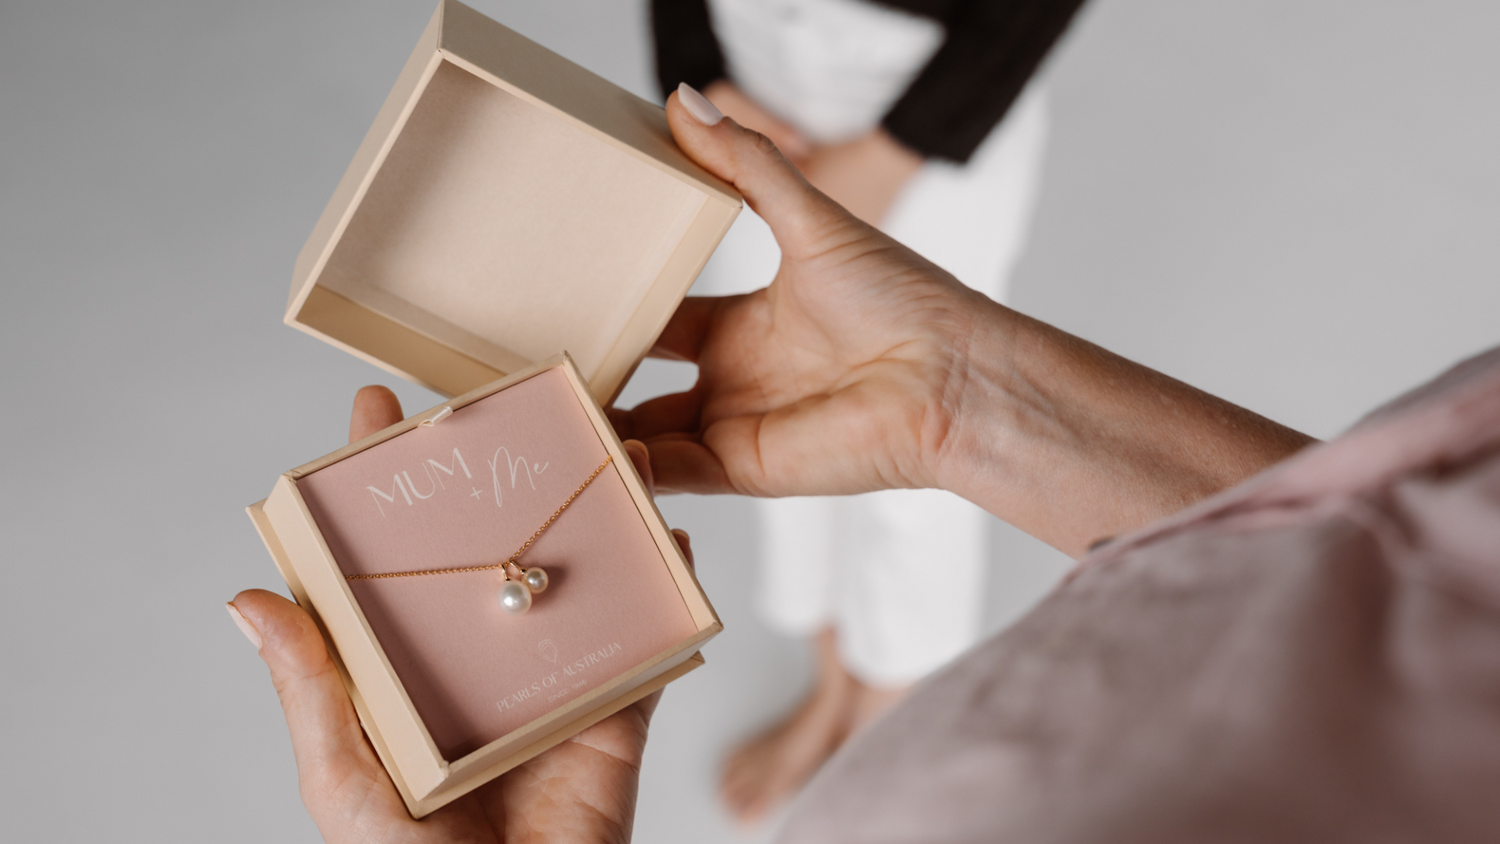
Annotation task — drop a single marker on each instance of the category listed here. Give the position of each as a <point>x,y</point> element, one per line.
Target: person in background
<point>916,116</point>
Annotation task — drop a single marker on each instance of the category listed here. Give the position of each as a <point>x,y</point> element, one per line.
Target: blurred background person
<point>915,115</point>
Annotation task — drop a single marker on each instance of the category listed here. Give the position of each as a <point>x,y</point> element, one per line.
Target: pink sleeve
<point>1312,656</point>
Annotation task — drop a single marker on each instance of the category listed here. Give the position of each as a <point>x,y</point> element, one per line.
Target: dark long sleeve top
<point>991,49</point>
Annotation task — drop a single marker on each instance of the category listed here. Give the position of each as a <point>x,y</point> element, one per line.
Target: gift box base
<point>424,805</point>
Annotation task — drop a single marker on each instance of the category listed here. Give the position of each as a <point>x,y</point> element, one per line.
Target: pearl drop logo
<point>547,650</point>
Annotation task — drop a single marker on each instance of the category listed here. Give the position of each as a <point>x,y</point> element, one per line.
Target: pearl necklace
<point>519,584</point>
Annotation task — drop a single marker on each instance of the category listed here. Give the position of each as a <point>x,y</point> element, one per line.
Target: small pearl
<point>515,598</point>
<point>536,580</point>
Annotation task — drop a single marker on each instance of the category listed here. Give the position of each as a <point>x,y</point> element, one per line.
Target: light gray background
<point>1292,204</point>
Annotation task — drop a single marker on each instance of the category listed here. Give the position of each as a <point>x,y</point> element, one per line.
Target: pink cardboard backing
<point>468,491</point>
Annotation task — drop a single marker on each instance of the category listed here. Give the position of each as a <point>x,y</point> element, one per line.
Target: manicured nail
<point>245,626</point>
<point>698,105</point>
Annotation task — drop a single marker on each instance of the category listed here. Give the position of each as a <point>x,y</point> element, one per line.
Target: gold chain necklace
<point>520,584</point>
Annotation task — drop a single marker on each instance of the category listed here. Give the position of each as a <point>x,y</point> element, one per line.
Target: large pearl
<point>515,598</point>
<point>536,580</point>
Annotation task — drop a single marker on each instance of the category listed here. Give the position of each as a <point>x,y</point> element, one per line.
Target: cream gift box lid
<point>507,205</point>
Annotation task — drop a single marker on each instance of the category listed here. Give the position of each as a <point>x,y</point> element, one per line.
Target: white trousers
<point>898,574</point>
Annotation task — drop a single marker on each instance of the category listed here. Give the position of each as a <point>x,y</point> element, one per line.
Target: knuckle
<point>763,144</point>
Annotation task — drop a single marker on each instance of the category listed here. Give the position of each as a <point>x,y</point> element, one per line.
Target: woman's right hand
<point>864,366</point>
<point>840,377</point>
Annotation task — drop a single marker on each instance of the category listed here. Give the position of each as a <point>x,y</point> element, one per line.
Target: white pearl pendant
<point>515,598</point>
<point>535,580</point>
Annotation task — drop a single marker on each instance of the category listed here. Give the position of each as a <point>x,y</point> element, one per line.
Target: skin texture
<point>583,790</point>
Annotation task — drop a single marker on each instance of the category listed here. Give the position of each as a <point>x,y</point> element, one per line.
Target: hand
<point>863,367</point>
<point>582,790</point>
<point>864,175</point>
<point>752,115</point>
<point>840,377</point>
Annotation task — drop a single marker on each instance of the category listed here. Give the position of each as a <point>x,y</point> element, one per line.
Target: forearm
<point>1074,444</point>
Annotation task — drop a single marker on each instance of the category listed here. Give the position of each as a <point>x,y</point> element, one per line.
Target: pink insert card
<point>468,491</point>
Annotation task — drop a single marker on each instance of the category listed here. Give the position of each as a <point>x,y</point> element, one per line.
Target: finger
<point>647,705</point>
<point>335,764</point>
<point>676,413</point>
<point>685,542</point>
<point>620,420</point>
<point>622,736</point>
<point>683,337</point>
<point>640,457</point>
<point>375,407</point>
<point>797,213</point>
<point>681,465</point>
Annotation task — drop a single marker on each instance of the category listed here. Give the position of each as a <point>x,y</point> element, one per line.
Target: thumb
<point>799,215</point>
<point>335,765</point>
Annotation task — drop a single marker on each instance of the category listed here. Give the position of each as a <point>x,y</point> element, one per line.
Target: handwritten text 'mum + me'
<point>439,476</point>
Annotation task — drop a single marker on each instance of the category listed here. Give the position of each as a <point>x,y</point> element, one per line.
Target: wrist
<point>979,445</point>
<point>1073,444</point>
<point>1064,440</point>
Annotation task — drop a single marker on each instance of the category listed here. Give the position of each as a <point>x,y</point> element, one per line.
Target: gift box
<point>515,232</point>
<point>505,206</point>
<point>453,689</point>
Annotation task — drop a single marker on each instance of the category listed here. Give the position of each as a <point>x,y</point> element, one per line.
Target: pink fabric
<point>1312,656</point>
<point>473,672</point>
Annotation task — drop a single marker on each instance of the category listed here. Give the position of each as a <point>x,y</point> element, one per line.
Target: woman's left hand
<point>582,790</point>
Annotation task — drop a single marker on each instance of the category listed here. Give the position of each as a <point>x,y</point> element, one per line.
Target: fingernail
<point>698,105</point>
<point>245,626</point>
